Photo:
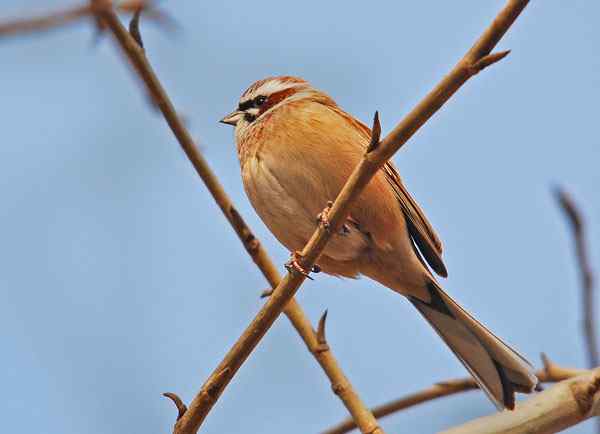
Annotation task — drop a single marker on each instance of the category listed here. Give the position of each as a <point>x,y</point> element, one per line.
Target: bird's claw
<point>269,291</point>
<point>294,265</point>
<point>323,218</point>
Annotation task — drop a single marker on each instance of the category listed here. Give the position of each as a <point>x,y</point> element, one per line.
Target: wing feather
<point>420,229</point>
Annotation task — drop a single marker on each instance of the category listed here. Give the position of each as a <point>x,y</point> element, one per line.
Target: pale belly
<point>292,216</point>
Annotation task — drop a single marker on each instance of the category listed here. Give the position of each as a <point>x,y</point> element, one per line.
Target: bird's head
<point>264,96</point>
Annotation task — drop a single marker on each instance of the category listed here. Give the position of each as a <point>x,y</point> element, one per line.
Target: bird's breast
<point>283,214</point>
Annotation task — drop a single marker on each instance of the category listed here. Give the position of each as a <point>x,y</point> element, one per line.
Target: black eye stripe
<point>245,105</point>
<point>256,102</point>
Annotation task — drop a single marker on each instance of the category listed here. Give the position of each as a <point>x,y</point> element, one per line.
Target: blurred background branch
<point>577,225</point>
<point>45,22</point>
<point>58,19</point>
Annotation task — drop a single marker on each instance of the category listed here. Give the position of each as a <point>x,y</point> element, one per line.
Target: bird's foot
<point>294,264</point>
<point>323,218</point>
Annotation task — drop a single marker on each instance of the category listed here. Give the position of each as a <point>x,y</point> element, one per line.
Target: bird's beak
<point>232,118</point>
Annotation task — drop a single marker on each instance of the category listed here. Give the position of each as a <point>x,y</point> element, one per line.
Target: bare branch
<point>209,394</point>
<point>555,409</point>
<point>551,373</point>
<point>577,226</point>
<point>45,22</point>
<point>61,18</point>
<point>293,311</point>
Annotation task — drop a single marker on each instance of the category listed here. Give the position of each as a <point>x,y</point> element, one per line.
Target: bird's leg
<point>294,264</point>
<point>323,218</point>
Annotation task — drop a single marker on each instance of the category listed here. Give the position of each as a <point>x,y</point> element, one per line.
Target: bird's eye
<point>260,100</point>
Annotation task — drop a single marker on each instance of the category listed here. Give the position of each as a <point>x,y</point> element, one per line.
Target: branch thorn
<point>321,339</point>
<point>486,61</point>
<point>375,133</point>
<point>547,363</point>
<point>134,27</point>
<point>181,407</point>
<point>267,293</point>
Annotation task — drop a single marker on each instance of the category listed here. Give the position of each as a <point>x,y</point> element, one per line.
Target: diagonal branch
<point>577,226</point>
<point>551,373</point>
<point>132,47</point>
<point>363,173</point>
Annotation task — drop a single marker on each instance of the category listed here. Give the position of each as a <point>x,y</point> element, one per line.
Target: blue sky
<point>120,279</point>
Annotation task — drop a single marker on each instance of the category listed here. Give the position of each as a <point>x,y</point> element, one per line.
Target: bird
<point>296,148</point>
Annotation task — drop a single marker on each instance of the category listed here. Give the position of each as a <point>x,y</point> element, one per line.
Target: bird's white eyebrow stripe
<point>269,87</point>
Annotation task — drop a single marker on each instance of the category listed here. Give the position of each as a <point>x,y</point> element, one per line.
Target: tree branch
<point>371,163</point>
<point>576,223</point>
<point>132,47</point>
<point>555,409</point>
<point>551,373</point>
<point>45,22</point>
<point>63,17</point>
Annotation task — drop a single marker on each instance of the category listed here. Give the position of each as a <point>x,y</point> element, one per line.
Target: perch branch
<point>358,410</point>
<point>551,373</point>
<point>366,169</point>
<point>577,226</point>
<point>563,405</point>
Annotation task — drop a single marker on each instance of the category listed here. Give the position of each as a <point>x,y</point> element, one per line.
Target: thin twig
<point>576,223</point>
<point>45,22</point>
<point>363,173</point>
<point>551,373</point>
<point>293,311</point>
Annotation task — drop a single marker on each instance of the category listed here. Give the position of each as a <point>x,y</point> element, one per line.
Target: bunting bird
<point>296,149</point>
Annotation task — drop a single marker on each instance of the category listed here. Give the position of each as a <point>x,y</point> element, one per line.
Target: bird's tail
<point>498,369</point>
